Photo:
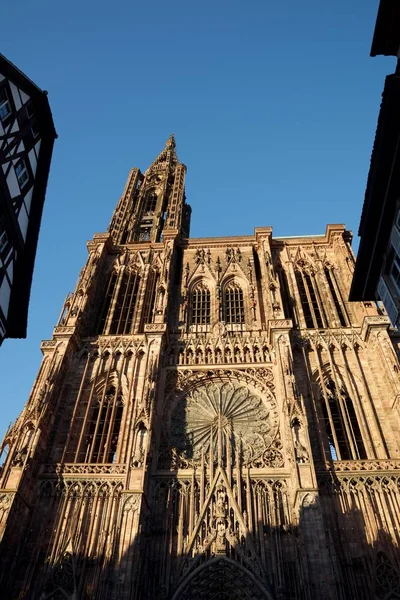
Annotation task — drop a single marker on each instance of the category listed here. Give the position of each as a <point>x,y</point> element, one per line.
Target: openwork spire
<point>154,202</point>
<point>167,156</point>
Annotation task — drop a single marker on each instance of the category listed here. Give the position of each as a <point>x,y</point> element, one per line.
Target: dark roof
<point>386,38</point>
<point>23,271</point>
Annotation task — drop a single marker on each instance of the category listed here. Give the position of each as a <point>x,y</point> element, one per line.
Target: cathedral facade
<point>212,419</point>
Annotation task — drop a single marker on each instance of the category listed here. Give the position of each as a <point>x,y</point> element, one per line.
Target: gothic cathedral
<point>212,420</point>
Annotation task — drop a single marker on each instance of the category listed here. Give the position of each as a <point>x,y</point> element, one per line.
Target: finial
<point>171,141</point>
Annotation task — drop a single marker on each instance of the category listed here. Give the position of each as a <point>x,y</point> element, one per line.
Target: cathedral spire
<point>154,202</point>
<point>167,156</point>
<point>170,143</point>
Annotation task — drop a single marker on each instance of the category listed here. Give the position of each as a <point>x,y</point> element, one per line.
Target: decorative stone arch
<point>91,489</point>
<point>115,379</point>
<point>387,583</point>
<point>354,420</point>
<point>308,294</point>
<point>237,279</point>
<point>78,301</point>
<point>140,441</point>
<point>251,406</point>
<point>205,278</point>
<point>74,489</point>
<point>222,578</point>
<point>150,201</point>
<point>305,265</point>
<point>207,282</point>
<point>4,454</point>
<point>103,408</point>
<point>55,594</point>
<point>64,313</point>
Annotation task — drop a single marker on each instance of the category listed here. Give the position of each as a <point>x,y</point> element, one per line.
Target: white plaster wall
<point>5,291</point>
<point>12,183</point>
<point>33,161</point>
<point>25,97</point>
<point>14,91</point>
<point>28,200</point>
<point>23,221</point>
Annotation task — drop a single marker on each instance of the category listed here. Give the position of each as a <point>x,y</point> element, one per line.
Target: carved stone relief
<point>223,416</point>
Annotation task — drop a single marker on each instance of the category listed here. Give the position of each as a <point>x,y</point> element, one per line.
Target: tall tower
<point>211,419</point>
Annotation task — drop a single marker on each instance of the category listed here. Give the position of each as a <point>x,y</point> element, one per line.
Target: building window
<point>144,234</point>
<point>388,301</point>
<point>304,300</point>
<point>330,277</point>
<point>286,297</point>
<point>341,425</point>
<point>395,272</point>
<point>22,173</point>
<point>119,308</point>
<point>233,304</point>
<point>124,309</point>
<point>309,300</point>
<point>5,106</point>
<point>151,203</point>
<point>149,303</point>
<point>102,429</point>
<point>200,313</point>
<point>398,220</point>
<point>107,302</point>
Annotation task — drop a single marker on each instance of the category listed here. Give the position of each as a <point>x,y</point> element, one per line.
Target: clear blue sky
<point>273,105</point>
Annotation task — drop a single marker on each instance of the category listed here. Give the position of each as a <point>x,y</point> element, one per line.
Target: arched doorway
<point>221,578</point>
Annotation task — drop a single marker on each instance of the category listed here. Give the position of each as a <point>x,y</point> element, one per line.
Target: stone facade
<point>212,419</point>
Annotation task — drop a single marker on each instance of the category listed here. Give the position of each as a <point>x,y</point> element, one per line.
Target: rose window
<point>221,416</point>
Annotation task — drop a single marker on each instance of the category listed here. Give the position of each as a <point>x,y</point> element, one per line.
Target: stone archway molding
<point>239,582</point>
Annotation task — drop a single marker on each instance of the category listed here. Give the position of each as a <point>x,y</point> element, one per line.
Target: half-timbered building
<point>26,143</point>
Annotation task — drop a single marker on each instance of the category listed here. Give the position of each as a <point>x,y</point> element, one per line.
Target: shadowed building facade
<point>212,419</point>
<point>377,270</point>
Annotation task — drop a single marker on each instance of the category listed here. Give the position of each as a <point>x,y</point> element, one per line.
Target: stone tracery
<point>221,415</point>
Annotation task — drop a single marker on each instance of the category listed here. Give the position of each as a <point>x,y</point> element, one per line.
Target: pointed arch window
<point>107,302</point>
<point>149,303</point>
<point>200,309</point>
<point>312,310</point>
<point>336,296</point>
<point>102,429</point>
<point>341,424</point>
<point>119,308</point>
<point>233,304</point>
<point>151,203</point>
<point>286,296</point>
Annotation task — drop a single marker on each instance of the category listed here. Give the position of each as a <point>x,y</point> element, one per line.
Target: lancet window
<point>286,297</point>
<point>102,428</point>
<point>107,302</point>
<point>118,314</point>
<point>310,304</point>
<point>200,310</point>
<point>233,304</point>
<point>337,300</point>
<point>151,203</point>
<point>341,424</point>
<point>149,303</point>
